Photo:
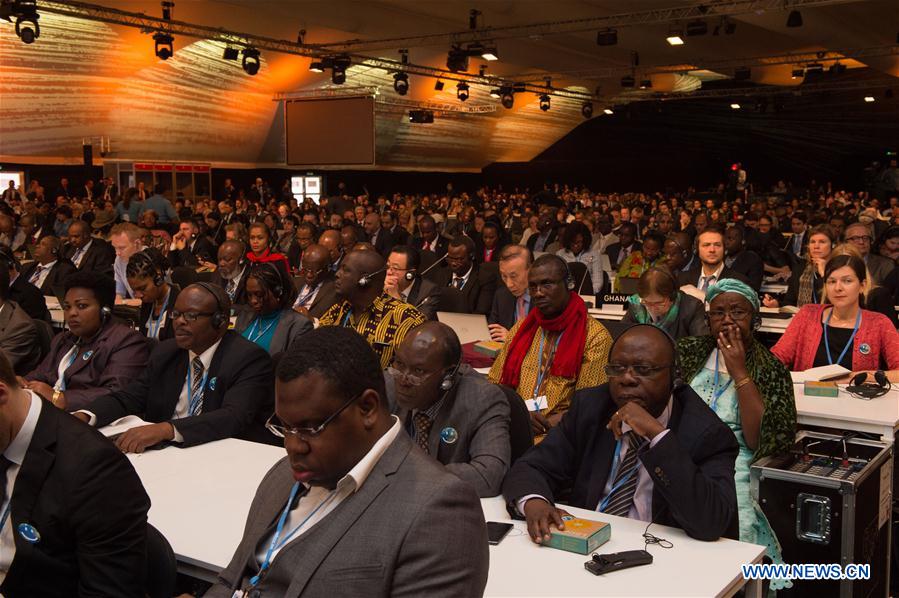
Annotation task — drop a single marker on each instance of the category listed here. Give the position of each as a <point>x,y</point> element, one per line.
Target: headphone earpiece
<point>410,275</point>
<point>756,321</point>
<point>449,380</point>
<point>569,279</point>
<point>219,318</point>
<point>105,314</point>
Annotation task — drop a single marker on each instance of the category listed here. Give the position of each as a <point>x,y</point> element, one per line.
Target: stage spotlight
<point>421,117</point>
<point>317,66</point>
<point>231,53</point>
<point>608,111</point>
<point>628,81</point>
<point>869,99</point>
<point>698,27</point>
<point>462,91</point>
<point>795,19</point>
<point>742,73</point>
<point>544,102</point>
<point>495,93</point>
<point>587,109</point>
<point>438,86</point>
<point>25,14</point>
<point>339,65</point>
<point>675,37</point>
<point>734,106</point>
<point>507,97</point>
<point>251,61</point>
<point>646,84</point>
<point>163,45</point>
<point>798,73</point>
<point>401,83</point>
<point>457,60</point>
<point>607,37</point>
<point>490,54</point>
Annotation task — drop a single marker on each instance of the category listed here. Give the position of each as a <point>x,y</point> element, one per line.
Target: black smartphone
<point>496,531</point>
<point>607,563</point>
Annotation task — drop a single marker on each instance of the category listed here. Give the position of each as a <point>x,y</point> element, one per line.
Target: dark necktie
<point>422,429</point>
<point>622,497</point>
<point>231,288</point>
<point>196,387</point>
<point>5,464</point>
<point>458,282</point>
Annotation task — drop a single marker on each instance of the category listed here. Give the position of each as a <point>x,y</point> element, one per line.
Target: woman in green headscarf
<point>659,302</point>
<point>749,389</point>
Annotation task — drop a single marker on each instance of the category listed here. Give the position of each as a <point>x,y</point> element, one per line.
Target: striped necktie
<point>423,425</point>
<point>622,497</point>
<point>196,387</point>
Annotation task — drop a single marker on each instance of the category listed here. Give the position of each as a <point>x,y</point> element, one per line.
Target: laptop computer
<point>470,328</point>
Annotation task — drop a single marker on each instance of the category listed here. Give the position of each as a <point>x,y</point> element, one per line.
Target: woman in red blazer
<point>841,332</point>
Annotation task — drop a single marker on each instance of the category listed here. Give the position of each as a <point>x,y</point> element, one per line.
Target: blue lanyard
<point>346,318</point>
<point>255,327</point>
<point>153,328</point>
<point>617,463</point>
<point>541,372</point>
<point>191,400</point>
<point>275,543</point>
<point>858,321</point>
<point>302,299</point>
<point>716,394</point>
<point>62,379</point>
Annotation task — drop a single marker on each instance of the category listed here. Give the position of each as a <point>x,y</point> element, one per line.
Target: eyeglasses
<point>410,379</point>
<point>314,273</point>
<point>191,316</point>
<point>735,314</point>
<point>276,427</point>
<point>545,286</point>
<point>859,239</point>
<point>654,304</point>
<point>396,269</point>
<point>615,370</point>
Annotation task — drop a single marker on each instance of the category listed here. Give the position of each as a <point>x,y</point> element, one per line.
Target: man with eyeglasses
<point>555,350</point>
<point>643,446</point>
<point>205,384</point>
<point>861,236</point>
<point>451,412</point>
<point>317,294</point>
<point>403,282</point>
<point>232,271</point>
<point>354,509</point>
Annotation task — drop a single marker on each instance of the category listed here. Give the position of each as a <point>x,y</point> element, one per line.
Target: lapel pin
<point>212,383</point>
<point>864,348</point>
<point>87,355</point>
<point>29,533</point>
<point>449,435</point>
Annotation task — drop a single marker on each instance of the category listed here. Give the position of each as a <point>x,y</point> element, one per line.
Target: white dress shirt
<point>318,496</point>
<point>182,407</point>
<point>80,253</point>
<point>306,296</point>
<point>642,507</point>
<point>15,452</point>
<point>42,272</point>
<point>464,279</point>
<point>716,275</point>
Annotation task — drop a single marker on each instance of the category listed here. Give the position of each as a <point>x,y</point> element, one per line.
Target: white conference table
<point>845,412</point>
<point>201,496</point>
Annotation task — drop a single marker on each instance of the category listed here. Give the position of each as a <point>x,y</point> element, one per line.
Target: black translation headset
<point>677,378</point>
<point>219,318</point>
<point>270,274</point>
<point>865,390</point>
<point>148,263</point>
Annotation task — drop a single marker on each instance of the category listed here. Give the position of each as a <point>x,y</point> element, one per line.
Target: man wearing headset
<point>205,384</point>
<point>231,273</point>
<point>50,269</point>
<point>403,281</point>
<point>555,350</point>
<point>643,446</point>
<point>450,411</point>
<point>188,247</point>
<point>363,306</point>
<point>678,256</point>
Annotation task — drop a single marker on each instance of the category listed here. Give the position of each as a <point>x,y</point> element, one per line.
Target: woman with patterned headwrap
<point>749,389</point>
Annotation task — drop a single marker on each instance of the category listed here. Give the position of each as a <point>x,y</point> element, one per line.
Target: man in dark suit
<point>303,238</point>
<point>26,295</point>
<point>512,301</point>
<point>389,223</point>
<point>18,334</point>
<point>636,447</point>
<point>545,235</point>
<point>626,245</point>
<point>86,252</point>
<point>450,411</point>
<point>862,236</point>
<point>51,269</point>
<point>189,247</point>
<point>742,260</point>
<point>232,271</point>
<point>403,281</point>
<point>477,284</point>
<point>361,482</point>
<point>77,512</point>
<point>797,244</point>
<point>711,268</point>
<point>379,237</point>
<point>429,239</point>
<point>206,384</point>
<point>317,293</point>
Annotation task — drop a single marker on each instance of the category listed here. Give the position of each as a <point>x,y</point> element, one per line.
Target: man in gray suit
<point>18,335</point>
<point>862,236</point>
<point>354,509</point>
<point>450,411</point>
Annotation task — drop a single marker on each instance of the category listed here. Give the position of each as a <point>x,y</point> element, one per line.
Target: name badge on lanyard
<point>537,403</point>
